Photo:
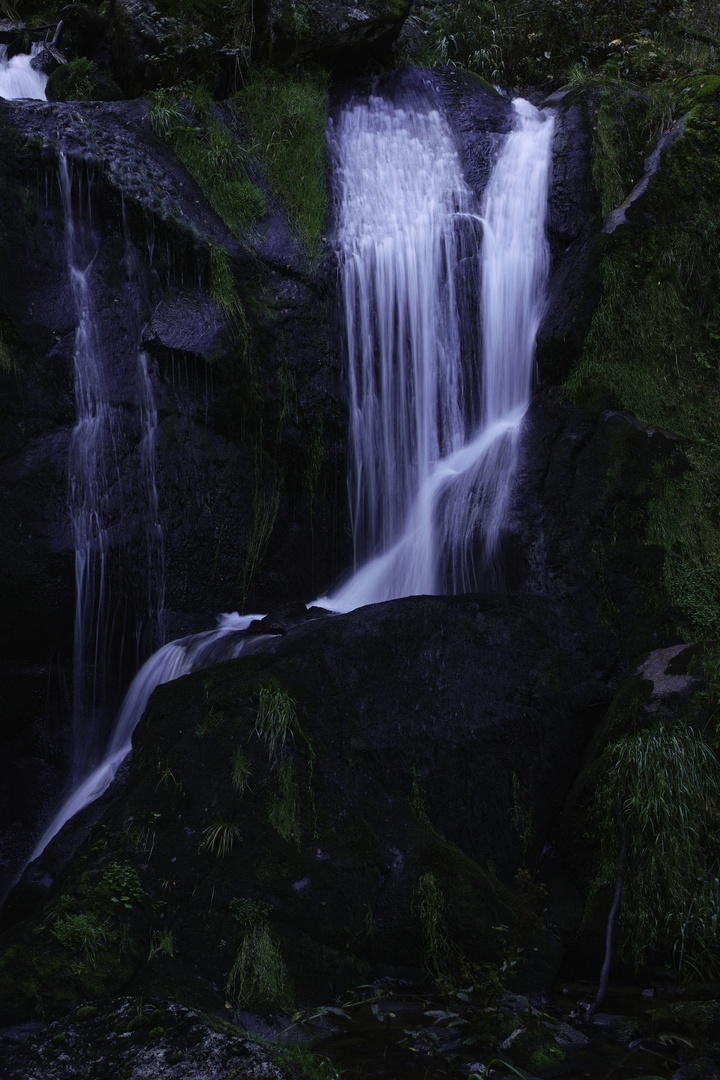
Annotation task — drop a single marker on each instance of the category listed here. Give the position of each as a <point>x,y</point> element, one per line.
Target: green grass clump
<point>276,718</point>
<point>429,906</point>
<point>211,152</point>
<point>283,803</point>
<point>259,978</point>
<point>667,780</point>
<point>287,115</point>
<point>220,838</point>
<point>82,933</point>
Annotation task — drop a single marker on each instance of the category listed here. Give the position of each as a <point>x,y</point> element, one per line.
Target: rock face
<point>140,1038</point>
<point>248,441</point>
<point>429,745</point>
<point>337,35</point>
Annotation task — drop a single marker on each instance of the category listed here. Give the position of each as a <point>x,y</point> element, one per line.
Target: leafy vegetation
<point>287,118</point>
<point>667,781</point>
<point>527,42</point>
<point>276,718</point>
<point>220,837</point>
<point>258,978</point>
<point>211,152</point>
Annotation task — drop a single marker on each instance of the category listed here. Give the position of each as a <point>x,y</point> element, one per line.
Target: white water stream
<point>438,382</point>
<point>18,79</point>
<point>442,303</point>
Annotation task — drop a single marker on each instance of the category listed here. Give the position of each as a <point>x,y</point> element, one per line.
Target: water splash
<point>18,79</point>
<point>440,335</point>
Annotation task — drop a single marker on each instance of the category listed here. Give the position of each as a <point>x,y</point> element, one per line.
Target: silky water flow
<point>442,301</point>
<point>438,382</point>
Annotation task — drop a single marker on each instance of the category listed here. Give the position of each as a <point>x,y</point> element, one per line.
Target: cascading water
<point>442,301</point>
<point>18,79</point>
<point>170,662</point>
<point>437,393</point>
<point>117,538</point>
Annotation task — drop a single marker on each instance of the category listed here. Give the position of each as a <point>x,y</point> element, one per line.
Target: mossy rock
<point>81,80</point>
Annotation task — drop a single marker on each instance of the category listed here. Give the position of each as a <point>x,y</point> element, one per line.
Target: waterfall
<point>170,662</point>
<point>114,513</point>
<point>18,79</point>
<point>442,302</point>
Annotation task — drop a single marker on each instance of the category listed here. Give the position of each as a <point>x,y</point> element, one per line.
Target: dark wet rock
<point>145,1039</point>
<point>215,396</point>
<point>340,36</point>
<point>186,321</point>
<point>574,224</point>
<point>396,772</point>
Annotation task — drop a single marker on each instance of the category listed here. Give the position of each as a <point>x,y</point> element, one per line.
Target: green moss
<point>547,1059</point>
<point>654,348</point>
<point>87,1012</point>
<point>287,117</point>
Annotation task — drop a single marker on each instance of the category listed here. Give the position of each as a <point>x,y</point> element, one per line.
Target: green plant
<point>520,814</point>
<point>120,882</point>
<point>166,113</point>
<point>259,978</point>
<point>220,838</point>
<point>253,912</point>
<point>287,117</point>
<point>276,718</point>
<point>283,802</point>
<point>429,905</point>
<point>265,506</point>
<point>667,782</point>
<point>82,933</point>
<point>166,777</point>
<point>300,1057</point>
<point>162,943</point>
<point>418,800</point>
<point>241,772</point>
<point>7,362</point>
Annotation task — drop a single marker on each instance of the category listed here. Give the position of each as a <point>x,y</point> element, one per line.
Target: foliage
<point>299,1057</point>
<point>276,718</point>
<point>82,933</point>
<point>220,838</point>
<point>120,882</point>
<point>241,771</point>
<point>286,115</point>
<point>429,905</point>
<point>283,802</point>
<point>524,42</point>
<point>211,152</point>
<point>254,912</point>
<point>80,80</point>
<point>668,781</point>
<point>162,943</point>
<point>7,363</point>
<point>258,978</point>
<point>265,506</point>
<point>520,813</point>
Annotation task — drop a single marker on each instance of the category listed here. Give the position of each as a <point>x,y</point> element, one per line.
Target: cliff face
<point>432,738</point>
